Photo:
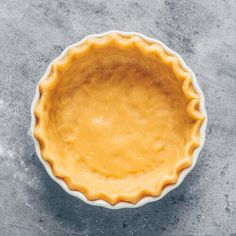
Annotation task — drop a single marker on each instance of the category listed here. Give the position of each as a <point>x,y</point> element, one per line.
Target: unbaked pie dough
<point>118,118</point>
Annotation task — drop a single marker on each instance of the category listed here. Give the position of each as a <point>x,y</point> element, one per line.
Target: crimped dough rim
<point>181,74</point>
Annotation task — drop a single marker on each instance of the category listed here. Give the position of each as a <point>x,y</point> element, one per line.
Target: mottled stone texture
<point>32,33</point>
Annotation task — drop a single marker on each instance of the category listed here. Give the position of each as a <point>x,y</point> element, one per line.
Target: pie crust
<point>118,118</point>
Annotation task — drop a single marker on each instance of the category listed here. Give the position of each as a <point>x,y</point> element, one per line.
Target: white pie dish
<point>144,200</point>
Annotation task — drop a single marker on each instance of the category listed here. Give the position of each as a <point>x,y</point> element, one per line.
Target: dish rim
<point>146,199</point>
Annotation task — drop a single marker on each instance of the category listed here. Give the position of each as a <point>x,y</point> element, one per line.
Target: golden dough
<point>117,120</point>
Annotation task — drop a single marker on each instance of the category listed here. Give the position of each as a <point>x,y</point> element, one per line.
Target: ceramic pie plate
<point>167,188</point>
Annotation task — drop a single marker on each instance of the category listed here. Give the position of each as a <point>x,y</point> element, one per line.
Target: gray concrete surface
<point>34,32</point>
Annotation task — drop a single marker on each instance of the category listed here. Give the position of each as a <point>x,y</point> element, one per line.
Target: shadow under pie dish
<point>118,120</point>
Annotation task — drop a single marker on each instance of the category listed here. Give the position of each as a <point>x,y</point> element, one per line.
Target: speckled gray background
<point>34,32</point>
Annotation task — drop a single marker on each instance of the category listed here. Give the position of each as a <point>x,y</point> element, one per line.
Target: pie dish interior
<point>118,118</point>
